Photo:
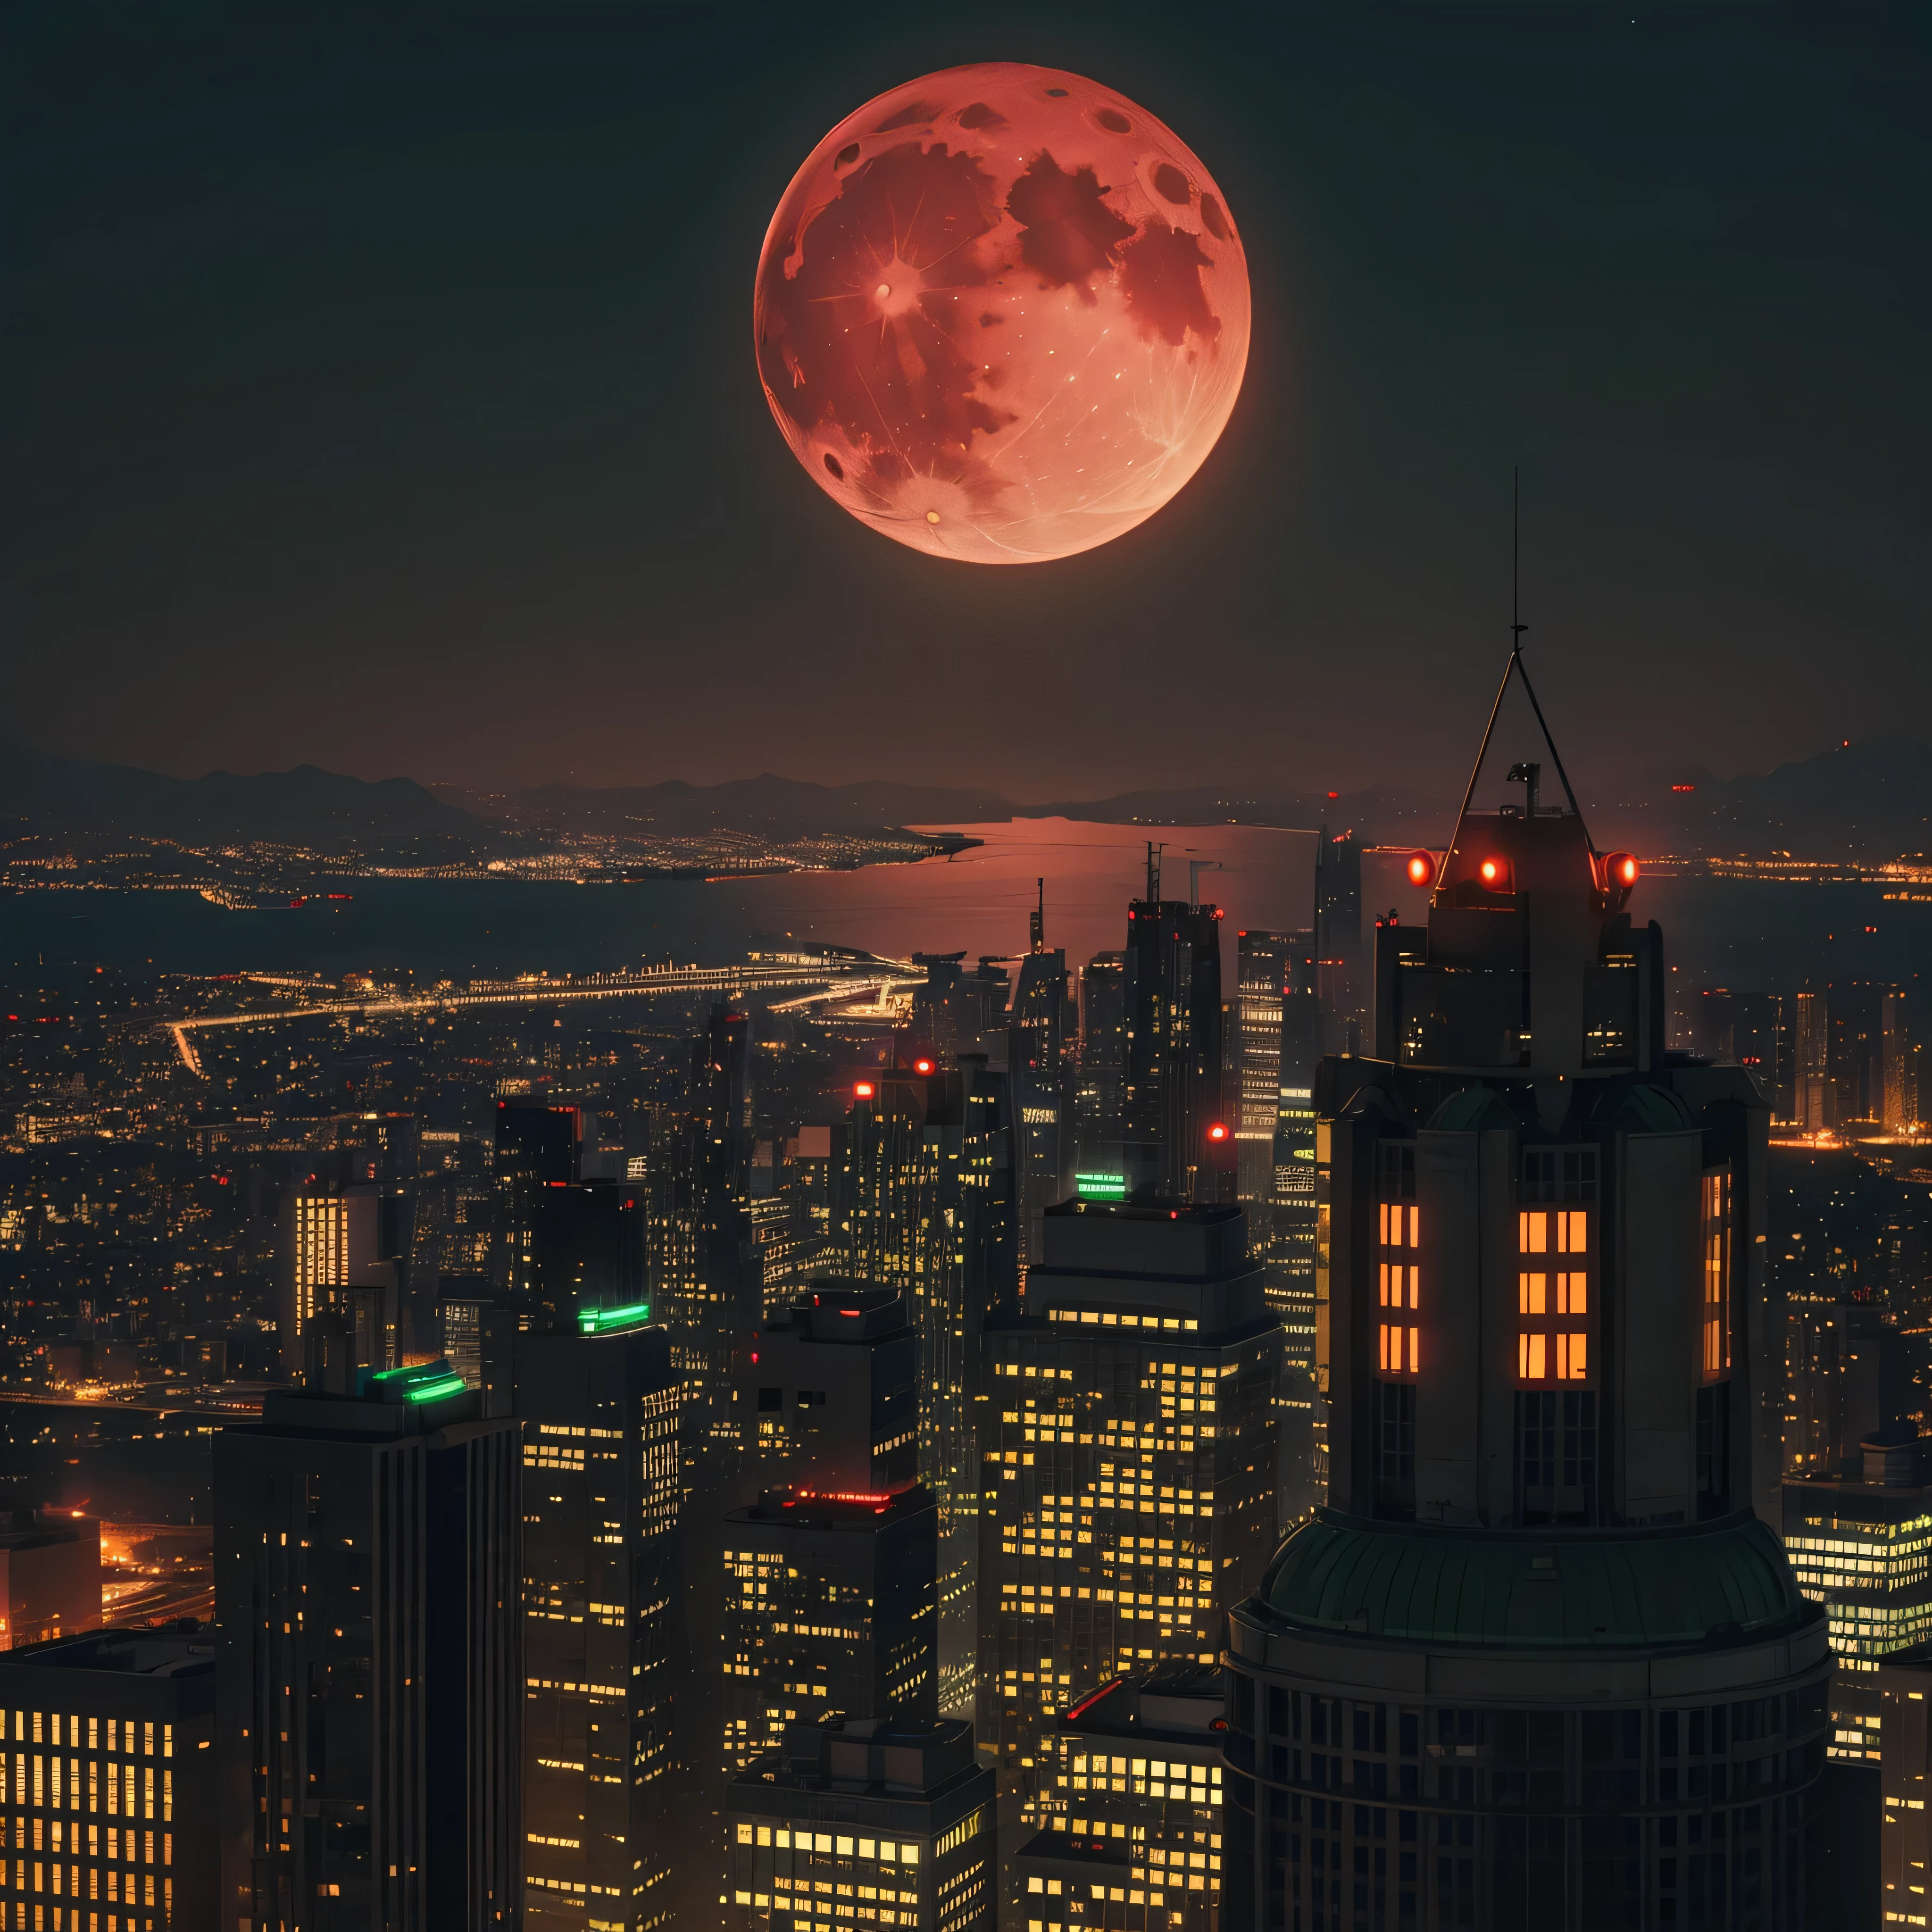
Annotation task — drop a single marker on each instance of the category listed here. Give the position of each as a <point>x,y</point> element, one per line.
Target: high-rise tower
<point>1540,1660</point>
<point>1172,1090</point>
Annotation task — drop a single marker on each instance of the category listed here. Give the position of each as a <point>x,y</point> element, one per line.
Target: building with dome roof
<point>1539,1660</point>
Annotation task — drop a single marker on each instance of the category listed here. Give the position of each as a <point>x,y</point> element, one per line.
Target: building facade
<point>366,1533</point>
<point>1136,1786</point>
<point>107,1791</point>
<point>601,1616</point>
<point>863,1822</point>
<point>831,1604</point>
<point>1128,1459</point>
<point>1539,1661</point>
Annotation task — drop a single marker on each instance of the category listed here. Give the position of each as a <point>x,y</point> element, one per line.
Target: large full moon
<point>1002,313</point>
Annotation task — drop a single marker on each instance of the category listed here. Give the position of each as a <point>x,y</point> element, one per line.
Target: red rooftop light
<point>1620,869</point>
<point>863,1089</point>
<point>1087,1703</point>
<point>1422,869</point>
<point>1218,1132</point>
<point>921,1066</point>
<point>1491,870</point>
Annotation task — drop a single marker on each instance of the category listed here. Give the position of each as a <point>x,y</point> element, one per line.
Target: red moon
<point>1002,314</point>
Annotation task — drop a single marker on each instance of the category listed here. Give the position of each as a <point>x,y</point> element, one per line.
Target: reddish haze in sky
<point>1002,313</point>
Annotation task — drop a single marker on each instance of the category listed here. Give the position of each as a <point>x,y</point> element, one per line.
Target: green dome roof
<point>1585,1589</point>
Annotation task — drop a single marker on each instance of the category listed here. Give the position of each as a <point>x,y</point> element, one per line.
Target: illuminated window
<point>1562,1356</point>
<point>1398,1349</point>
<point>1715,1232</point>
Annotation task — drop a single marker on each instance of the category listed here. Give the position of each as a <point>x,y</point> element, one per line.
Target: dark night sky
<point>380,394</point>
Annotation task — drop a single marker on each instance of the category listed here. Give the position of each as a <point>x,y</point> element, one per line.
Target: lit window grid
<point>57,1767</point>
<point>1057,1597</point>
<point>819,1878</point>
<point>1548,1355</point>
<point>1714,1240</point>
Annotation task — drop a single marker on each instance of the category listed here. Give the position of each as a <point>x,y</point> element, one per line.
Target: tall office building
<point>926,1206</point>
<point>1101,1083</point>
<point>1859,1544</point>
<point>834,1384</point>
<point>831,1604</point>
<point>1129,1460</point>
<point>864,1822</point>
<point>1264,963</point>
<point>1340,980</point>
<point>366,1534</point>
<point>1170,1096</point>
<point>1040,1051</point>
<point>1815,1103</point>
<point>334,1239</point>
<point>1133,1803</point>
<point>602,1489</point>
<point>112,1796</point>
<point>1903,1682</point>
<point>1539,1661</point>
<point>1899,1062</point>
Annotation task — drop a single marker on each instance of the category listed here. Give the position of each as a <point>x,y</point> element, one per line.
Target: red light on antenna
<point>1620,868</point>
<point>921,1066</point>
<point>862,1089</point>
<point>1334,794</point>
<point>1218,1132</point>
<point>1422,869</point>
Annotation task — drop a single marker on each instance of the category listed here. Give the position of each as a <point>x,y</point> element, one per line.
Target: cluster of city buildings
<point>1312,1431</point>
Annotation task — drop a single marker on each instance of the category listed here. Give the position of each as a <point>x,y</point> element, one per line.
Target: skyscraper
<point>1338,926</point>
<point>1133,1802</point>
<point>367,1704</point>
<point>1171,1093</point>
<point>1129,1459</point>
<point>925,1206</point>
<point>834,1383</point>
<point>891,1820</point>
<point>128,1716</point>
<point>1040,1049</point>
<point>598,1412</point>
<point>1539,1661</point>
<point>831,1604</point>
<point>1102,1081</point>
<point>333,1239</point>
<point>1263,968</point>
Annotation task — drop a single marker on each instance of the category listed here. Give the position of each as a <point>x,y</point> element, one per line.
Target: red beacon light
<point>862,1089</point>
<point>921,1066</point>
<point>1218,1132</point>
<point>1422,869</point>
<point>1620,871</point>
<point>1493,871</point>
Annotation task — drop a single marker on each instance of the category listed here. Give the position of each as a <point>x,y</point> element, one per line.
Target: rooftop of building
<point>834,1308</point>
<point>187,1648</point>
<point>36,1529</point>
<point>888,1757</point>
<point>1705,1585</point>
<point>834,1509</point>
<point>1177,1706</point>
<point>1087,1856</point>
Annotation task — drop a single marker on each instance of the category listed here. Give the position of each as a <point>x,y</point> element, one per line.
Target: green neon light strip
<point>434,1391</point>
<point>594,1320</point>
<point>1101,1184</point>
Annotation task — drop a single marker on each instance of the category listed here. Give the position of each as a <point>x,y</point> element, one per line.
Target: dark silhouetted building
<point>50,1576</point>
<point>1100,1086</point>
<point>834,1384</point>
<point>366,1533</point>
<point>1172,1094</point>
<point>1539,1660</point>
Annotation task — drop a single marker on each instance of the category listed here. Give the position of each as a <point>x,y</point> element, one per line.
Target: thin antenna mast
<point>1517,668</point>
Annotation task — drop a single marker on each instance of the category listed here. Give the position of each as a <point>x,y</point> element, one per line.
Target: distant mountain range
<point>1867,801</point>
<point>40,792</point>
